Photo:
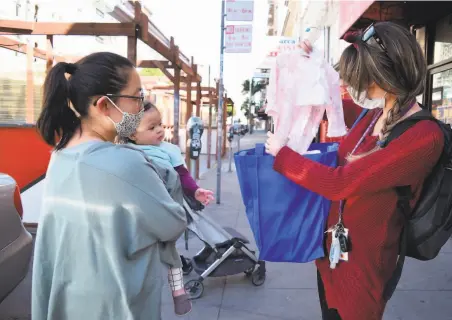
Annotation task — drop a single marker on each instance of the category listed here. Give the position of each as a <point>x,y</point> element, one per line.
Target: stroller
<point>225,251</point>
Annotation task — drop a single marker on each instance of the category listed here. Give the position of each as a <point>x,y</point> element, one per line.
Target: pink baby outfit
<point>301,89</point>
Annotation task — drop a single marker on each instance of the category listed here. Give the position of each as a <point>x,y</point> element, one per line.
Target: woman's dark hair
<point>396,65</point>
<point>66,100</point>
<point>146,106</point>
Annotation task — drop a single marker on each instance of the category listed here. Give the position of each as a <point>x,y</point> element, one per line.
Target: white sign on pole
<point>238,38</point>
<point>261,75</point>
<point>239,10</point>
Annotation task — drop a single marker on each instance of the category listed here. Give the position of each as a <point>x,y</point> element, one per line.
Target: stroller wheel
<point>249,271</point>
<point>194,288</point>
<point>258,277</point>
<point>187,268</point>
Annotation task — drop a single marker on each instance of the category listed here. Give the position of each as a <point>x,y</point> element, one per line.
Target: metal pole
<point>230,155</point>
<point>220,107</point>
<point>209,130</point>
<point>193,167</point>
<point>250,115</point>
<point>230,143</point>
<point>176,124</point>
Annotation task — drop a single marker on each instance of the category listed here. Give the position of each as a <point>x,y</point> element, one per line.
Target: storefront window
<point>420,37</point>
<point>419,98</point>
<point>442,96</point>
<point>443,39</point>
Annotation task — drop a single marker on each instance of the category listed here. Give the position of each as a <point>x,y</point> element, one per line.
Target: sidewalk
<point>290,291</point>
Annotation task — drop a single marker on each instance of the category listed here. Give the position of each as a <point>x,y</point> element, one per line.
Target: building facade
<point>16,68</point>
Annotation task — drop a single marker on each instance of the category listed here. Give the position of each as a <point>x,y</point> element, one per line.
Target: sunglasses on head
<point>369,33</point>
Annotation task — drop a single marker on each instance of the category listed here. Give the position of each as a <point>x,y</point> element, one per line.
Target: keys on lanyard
<point>340,244</point>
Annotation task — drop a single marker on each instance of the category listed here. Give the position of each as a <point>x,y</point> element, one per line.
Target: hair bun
<point>70,68</point>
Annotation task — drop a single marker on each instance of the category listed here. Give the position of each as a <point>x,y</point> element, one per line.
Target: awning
<point>349,12</point>
<point>355,15</point>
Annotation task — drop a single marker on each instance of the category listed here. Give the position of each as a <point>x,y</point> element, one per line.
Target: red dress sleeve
<point>403,162</point>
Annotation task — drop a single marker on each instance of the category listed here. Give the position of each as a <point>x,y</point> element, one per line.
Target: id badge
<point>335,251</point>
<point>344,255</point>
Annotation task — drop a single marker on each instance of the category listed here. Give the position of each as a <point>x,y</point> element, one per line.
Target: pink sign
<point>239,10</point>
<point>238,38</point>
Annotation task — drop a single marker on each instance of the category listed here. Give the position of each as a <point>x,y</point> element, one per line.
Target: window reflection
<point>442,96</point>
<point>419,98</point>
<point>443,39</point>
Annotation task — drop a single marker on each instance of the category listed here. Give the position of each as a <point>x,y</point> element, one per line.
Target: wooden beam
<point>188,113</point>
<point>166,72</point>
<point>67,28</point>
<point>198,114</point>
<point>212,90</point>
<point>15,26</point>
<point>17,46</point>
<point>155,44</point>
<point>14,45</point>
<point>144,22</point>
<point>152,64</point>
<point>132,49</point>
<point>49,56</point>
<point>29,95</point>
<point>176,119</point>
<point>198,99</point>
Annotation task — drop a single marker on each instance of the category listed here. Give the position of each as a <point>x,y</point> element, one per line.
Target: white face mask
<point>363,101</point>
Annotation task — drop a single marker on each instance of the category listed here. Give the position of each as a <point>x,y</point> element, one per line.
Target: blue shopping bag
<point>287,220</point>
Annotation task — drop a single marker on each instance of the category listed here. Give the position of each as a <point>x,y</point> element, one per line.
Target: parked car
<point>16,243</point>
<point>240,129</point>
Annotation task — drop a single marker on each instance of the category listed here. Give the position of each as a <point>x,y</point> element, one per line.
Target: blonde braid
<point>394,115</point>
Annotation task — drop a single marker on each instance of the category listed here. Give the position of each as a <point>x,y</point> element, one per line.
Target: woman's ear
<point>374,91</point>
<point>102,105</point>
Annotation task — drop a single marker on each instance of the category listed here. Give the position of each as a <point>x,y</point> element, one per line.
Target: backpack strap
<point>407,123</point>
<point>404,195</point>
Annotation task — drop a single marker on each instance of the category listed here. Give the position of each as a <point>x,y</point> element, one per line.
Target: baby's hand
<point>204,196</point>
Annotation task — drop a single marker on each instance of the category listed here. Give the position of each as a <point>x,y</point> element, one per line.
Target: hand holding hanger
<point>306,46</point>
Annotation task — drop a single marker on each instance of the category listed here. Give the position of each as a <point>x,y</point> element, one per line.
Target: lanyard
<point>371,125</point>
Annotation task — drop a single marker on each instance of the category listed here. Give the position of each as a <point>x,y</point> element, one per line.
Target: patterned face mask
<point>129,122</point>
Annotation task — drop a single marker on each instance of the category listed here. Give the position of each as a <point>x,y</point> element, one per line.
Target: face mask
<point>129,122</point>
<point>361,100</point>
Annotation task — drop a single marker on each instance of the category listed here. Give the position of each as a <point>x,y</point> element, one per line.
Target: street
<point>290,291</point>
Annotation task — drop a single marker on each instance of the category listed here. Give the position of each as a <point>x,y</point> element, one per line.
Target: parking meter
<point>231,134</point>
<point>243,130</point>
<point>195,129</point>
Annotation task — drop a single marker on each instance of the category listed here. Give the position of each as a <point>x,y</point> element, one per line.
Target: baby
<point>149,138</point>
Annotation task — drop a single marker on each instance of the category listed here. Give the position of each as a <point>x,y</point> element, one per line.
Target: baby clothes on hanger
<point>300,90</point>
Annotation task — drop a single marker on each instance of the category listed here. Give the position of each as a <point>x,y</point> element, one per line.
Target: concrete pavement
<point>290,291</point>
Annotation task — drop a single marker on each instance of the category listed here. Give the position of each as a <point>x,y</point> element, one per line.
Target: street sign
<point>238,38</point>
<point>262,75</point>
<point>239,10</point>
